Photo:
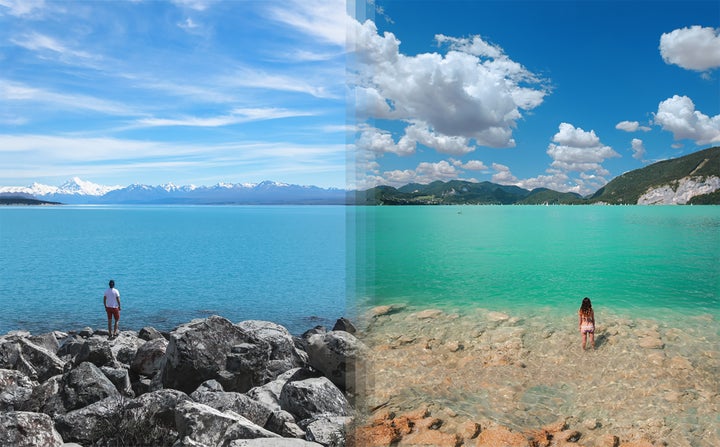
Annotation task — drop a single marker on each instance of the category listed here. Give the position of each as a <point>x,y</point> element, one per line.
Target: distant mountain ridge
<point>77,191</point>
<point>691,179</point>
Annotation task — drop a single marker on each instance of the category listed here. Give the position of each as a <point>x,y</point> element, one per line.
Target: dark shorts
<point>113,312</point>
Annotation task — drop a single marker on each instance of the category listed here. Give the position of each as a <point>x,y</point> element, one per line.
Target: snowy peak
<point>78,191</point>
<point>77,186</point>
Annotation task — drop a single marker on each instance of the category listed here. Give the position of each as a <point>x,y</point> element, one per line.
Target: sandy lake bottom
<point>647,379</point>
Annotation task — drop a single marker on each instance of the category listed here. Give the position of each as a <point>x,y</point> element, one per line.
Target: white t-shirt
<point>111,297</point>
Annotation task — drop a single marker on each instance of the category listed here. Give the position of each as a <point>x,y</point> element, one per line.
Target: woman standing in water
<point>587,322</point>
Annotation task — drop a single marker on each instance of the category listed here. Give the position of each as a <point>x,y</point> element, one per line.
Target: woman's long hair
<point>586,309</point>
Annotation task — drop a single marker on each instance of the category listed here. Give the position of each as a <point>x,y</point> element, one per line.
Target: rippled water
<point>171,264</point>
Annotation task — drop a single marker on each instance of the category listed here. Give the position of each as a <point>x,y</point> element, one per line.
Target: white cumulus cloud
<point>678,115</point>
<point>694,48</point>
<point>631,126</point>
<point>578,150</point>
<point>472,92</point>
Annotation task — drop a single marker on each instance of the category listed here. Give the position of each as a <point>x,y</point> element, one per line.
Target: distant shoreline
<point>23,201</point>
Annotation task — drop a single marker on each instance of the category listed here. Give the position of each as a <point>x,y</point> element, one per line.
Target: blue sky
<point>184,91</point>
<point>563,94</point>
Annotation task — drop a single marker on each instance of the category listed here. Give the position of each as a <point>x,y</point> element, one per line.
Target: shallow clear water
<point>656,262</point>
<point>171,264</point>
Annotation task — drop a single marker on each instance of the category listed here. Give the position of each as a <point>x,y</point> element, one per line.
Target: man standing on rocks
<point>111,299</point>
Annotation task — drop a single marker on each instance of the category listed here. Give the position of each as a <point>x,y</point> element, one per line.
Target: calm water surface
<point>645,261</point>
<point>171,264</point>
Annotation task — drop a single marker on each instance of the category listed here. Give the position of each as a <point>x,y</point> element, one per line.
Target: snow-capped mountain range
<point>78,191</point>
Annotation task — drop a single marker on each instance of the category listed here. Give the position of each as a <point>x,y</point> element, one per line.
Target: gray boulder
<point>99,421</point>
<point>343,324</point>
<point>85,385</point>
<point>335,354</point>
<point>120,378</point>
<point>149,333</point>
<point>96,351</point>
<point>283,423</point>
<point>328,430</point>
<point>69,347</point>
<point>241,404</point>
<point>48,341</point>
<point>265,442</point>
<point>306,399</point>
<point>269,393</point>
<point>46,397</point>
<point>150,418</point>
<point>198,352</point>
<point>268,351</point>
<point>150,357</point>
<point>36,362</point>
<point>25,429</point>
<point>125,346</point>
<point>205,425</point>
<point>15,389</point>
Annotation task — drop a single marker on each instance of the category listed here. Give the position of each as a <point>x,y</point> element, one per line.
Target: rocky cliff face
<point>681,192</point>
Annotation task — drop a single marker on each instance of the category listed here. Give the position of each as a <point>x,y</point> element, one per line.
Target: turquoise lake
<point>306,265</point>
<point>648,262</point>
<point>171,264</point>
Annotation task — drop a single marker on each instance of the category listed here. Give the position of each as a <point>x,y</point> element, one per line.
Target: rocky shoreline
<point>405,377</point>
<point>208,382</point>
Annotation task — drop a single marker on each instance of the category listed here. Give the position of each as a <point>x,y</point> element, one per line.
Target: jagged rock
<point>329,431</point>
<point>25,429</point>
<point>241,404</point>
<point>198,352</point>
<point>36,362</point>
<point>85,385</point>
<point>46,397</point>
<point>86,332</point>
<point>309,398</point>
<point>125,346</point>
<point>48,341</point>
<point>69,347</point>
<point>96,351</point>
<point>120,378</point>
<point>150,357</point>
<point>209,385</point>
<point>269,393</point>
<point>150,418</point>
<point>92,423</point>
<point>316,330</point>
<point>268,351</point>
<point>207,426</point>
<point>343,324</point>
<point>15,389</point>
<point>265,442</point>
<point>283,423</point>
<point>335,355</point>
<point>149,333</point>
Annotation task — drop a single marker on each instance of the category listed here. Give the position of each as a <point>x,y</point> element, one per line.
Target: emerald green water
<point>655,262</point>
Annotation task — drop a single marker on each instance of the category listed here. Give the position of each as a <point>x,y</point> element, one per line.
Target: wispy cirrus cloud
<point>20,92</point>
<point>324,20</point>
<point>236,116</point>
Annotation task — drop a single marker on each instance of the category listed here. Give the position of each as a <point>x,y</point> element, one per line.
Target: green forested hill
<point>628,187</point>
<point>625,189</point>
